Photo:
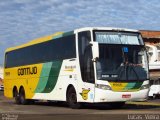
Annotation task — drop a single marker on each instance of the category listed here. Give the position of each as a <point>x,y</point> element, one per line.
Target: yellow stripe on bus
<point>117,86</point>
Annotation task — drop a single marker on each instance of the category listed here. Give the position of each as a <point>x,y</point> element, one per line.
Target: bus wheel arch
<point>15,90</point>
<point>16,95</point>
<point>71,97</point>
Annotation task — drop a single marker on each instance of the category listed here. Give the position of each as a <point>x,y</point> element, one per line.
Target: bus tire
<point>72,99</point>
<point>22,97</point>
<point>16,96</point>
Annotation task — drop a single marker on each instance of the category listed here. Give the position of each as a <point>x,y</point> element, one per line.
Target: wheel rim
<point>22,97</point>
<point>73,98</point>
<point>16,96</point>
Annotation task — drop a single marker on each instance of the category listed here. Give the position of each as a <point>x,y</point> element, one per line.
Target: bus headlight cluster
<point>104,87</point>
<point>145,86</point>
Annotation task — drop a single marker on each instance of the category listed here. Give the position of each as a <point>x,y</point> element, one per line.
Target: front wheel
<point>16,97</point>
<point>72,99</point>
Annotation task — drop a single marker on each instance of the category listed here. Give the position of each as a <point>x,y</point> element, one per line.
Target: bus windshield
<point>121,61</point>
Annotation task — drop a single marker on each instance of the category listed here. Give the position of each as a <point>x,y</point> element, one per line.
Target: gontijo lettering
<point>27,71</point>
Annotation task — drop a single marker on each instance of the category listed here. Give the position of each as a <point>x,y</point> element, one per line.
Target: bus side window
<point>85,57</point>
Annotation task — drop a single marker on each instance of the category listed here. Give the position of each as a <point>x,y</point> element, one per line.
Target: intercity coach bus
<point>87,65</point>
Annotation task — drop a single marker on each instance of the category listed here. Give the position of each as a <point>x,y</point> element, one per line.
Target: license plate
<point>126,96</point>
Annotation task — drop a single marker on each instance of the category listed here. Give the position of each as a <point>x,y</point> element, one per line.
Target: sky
<point>24,20</point>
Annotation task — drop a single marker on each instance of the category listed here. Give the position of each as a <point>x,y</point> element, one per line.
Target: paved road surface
<point>44,110</point>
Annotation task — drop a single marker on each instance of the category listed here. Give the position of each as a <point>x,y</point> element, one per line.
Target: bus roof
<point>106,28</point>
<point>36,41</point>
<point>61,34</point>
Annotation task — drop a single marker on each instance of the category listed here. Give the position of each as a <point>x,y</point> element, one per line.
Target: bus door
<point>86,85</point>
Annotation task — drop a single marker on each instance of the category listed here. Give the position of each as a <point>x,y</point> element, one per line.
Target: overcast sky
<point>24,20</point>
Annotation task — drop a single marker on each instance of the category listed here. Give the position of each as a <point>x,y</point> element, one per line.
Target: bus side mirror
<point>95,50</point>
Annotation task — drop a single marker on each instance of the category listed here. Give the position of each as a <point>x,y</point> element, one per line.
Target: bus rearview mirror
<point>95,50</point>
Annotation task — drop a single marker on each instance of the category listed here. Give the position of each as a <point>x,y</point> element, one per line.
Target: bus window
<point>40,53</point>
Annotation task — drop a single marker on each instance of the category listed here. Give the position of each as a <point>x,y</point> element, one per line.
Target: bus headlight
<point>145,86</point>
<point>104,87</point>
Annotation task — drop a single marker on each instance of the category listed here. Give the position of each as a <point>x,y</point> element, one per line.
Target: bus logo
<point>27,71</point>
<point>69,68</point>
<point>84,94</point>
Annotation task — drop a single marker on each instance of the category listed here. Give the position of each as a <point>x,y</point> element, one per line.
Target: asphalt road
<point>53,111</point>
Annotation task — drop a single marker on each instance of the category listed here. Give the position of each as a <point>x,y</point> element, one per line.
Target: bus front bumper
<point>112,96</point>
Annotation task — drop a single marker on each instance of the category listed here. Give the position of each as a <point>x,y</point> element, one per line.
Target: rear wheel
<point>16,96</point>
<point>22,97</point>
<point>72,99</point>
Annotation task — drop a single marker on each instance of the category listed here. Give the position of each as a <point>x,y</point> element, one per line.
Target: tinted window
<point>57,49</point>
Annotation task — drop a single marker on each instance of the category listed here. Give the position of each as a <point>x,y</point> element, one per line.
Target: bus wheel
<point>16,96</point>
<point>22,97</point>
<point>72,99</point>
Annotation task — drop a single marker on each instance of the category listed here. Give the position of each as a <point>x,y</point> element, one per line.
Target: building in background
<point>151,37</point>
<point>152,41</point>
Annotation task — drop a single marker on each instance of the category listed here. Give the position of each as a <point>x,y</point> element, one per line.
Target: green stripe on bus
<point>43,77</point>
<point>130,85</point>
<point>137,85</point>
<point>58,36</point>
<point>68,33</point>
<point>63,35</point>
<point>53,76</point>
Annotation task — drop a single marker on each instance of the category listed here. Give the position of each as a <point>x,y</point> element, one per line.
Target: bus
<point>87,65</point>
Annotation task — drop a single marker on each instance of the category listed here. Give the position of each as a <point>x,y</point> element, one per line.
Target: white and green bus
<point>87,65</point>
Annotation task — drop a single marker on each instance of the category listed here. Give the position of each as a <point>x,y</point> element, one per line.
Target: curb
<point>144,103</point>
